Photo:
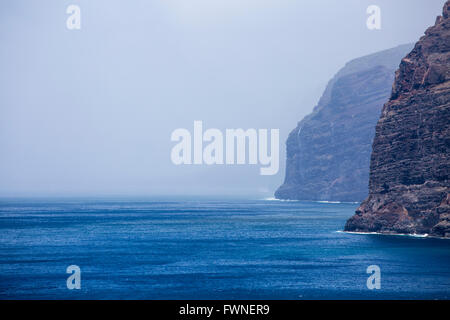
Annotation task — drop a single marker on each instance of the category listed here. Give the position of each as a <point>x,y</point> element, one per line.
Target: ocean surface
<point>207,249</point>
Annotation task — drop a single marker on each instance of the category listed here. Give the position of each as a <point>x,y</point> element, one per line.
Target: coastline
<point>423,236</point>
<point>316,201</point>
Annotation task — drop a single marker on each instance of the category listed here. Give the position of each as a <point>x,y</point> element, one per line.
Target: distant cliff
<point>410,162</point>
<point>328,153</point>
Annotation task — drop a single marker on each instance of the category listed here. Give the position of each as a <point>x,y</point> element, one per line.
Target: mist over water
<point>90,111</point>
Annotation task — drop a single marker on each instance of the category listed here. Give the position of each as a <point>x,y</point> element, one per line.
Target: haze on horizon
<point>91,111</point>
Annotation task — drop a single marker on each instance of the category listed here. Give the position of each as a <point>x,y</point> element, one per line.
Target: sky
<point>90,112</point>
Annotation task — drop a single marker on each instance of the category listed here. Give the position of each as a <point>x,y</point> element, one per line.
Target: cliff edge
<point>328,153</point>
<point>410,161</point>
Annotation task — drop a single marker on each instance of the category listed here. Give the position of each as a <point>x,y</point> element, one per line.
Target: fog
<point>91,111</point>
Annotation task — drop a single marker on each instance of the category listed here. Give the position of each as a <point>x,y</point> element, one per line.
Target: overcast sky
<point>91,111</point>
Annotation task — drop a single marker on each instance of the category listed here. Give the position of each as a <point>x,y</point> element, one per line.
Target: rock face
<point>410,162</point>
<point>328,154</point>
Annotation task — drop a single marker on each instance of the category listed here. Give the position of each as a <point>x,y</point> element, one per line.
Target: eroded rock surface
<point>328,154</point>
<point>410,161</point>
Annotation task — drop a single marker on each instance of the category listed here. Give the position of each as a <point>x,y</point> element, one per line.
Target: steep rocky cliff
<point>328,154</point>
<point>410,162</point>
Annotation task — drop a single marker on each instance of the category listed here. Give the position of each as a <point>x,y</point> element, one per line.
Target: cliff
<point>410,161</point>
<point>328,153</point>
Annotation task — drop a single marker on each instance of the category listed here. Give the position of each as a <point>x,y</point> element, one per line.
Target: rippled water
<point>208,250</point>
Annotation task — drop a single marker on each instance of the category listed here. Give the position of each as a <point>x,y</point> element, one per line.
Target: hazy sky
<point>91,111</point>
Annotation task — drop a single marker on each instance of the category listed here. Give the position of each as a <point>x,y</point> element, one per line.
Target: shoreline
<point>413,235</point>
<point>317,201</point>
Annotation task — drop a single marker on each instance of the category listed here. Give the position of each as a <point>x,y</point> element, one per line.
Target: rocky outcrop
<point>328,154</point>
<point>410,161</point>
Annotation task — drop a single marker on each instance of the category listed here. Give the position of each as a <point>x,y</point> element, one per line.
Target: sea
<point>208,249</point>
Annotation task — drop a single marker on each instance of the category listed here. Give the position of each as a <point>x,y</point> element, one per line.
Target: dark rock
<point>328,154</point>
<point>410,161</point>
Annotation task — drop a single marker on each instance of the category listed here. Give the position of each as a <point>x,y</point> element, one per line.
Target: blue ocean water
<point>206,249</point>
